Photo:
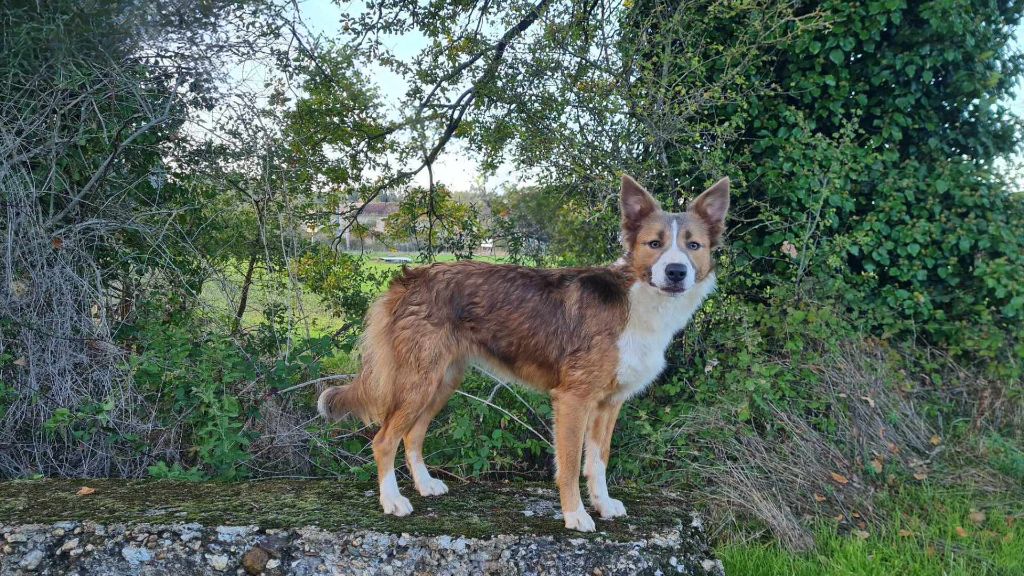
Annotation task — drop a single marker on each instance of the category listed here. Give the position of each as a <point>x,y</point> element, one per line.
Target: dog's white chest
<point>654,318</point>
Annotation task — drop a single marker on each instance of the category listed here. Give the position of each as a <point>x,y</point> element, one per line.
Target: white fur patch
<point>674,255</point>
<point>579,520</point>
<point>426,484</point>
<point>654,318</point>
<point>391,499</point>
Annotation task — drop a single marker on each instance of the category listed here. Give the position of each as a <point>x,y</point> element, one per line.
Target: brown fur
<point>554,329</point>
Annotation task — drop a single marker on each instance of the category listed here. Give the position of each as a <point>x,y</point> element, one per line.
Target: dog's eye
<point>693,245</point>
<point>654,243</point>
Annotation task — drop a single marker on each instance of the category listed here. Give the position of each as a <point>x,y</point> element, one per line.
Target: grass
<point>932,532</point>
<point>221,295</point>
<point>268,289</point>
<point>312,316</point>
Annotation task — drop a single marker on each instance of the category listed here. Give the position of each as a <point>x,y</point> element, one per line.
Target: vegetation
<point>176,180</point>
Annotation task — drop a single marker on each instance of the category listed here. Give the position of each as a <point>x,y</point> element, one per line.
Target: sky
<point>456,166</point>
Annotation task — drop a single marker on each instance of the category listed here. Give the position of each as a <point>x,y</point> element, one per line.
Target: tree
<point>875,157</point>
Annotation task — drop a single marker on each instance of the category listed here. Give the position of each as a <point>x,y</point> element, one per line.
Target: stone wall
<point>163,528</point>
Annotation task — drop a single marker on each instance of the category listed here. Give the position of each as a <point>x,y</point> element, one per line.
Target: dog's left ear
<point>711,207</point>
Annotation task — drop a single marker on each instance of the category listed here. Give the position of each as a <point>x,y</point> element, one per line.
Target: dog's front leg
<point>572,413</point>
<point>598,447</point>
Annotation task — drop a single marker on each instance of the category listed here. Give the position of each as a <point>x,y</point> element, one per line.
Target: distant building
<point>372,217</point>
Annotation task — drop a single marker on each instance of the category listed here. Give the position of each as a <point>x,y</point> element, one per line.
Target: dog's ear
<point>636,204</point>
<point>711,207</point>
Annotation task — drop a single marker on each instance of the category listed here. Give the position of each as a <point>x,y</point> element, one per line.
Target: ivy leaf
<point>836,55</point>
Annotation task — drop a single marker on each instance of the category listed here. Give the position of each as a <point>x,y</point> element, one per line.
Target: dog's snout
<point>675,272</point>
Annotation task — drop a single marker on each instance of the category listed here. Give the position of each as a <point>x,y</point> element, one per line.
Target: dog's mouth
<point>671,289</point>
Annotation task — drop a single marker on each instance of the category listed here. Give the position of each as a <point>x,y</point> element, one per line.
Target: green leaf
<point>836,55</point>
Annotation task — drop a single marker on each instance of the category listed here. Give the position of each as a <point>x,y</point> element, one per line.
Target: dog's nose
<point>675,272</point>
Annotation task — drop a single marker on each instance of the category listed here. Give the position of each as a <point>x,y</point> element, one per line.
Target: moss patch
<point>471,509</point>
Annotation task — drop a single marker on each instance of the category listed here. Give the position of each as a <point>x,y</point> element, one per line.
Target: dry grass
<point>792,471</point>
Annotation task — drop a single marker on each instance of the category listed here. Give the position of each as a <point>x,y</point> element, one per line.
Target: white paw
<point>579,520</point>
<point>431,487</point>
<point>609,508</point>
<point>397,504</point>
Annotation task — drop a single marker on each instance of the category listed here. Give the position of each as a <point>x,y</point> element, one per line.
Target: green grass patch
<point>931,532</point>
<point>269,289</point>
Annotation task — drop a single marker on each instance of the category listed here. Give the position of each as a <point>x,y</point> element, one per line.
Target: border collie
<point>589,337</point>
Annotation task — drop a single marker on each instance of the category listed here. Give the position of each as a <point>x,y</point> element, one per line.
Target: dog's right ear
<point>636,204</point>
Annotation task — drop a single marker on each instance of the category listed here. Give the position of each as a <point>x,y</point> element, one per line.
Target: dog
<point>589,337</point>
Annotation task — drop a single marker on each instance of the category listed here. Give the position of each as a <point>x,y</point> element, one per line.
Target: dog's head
<point>672,252</point>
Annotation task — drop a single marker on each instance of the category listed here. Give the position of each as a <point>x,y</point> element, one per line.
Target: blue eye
<point>654,243</point>
<point>693,245</point>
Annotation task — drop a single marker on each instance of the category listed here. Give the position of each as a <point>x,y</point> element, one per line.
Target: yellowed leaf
<point>936,440</point>
<point>839,478</point>
<point>839,518</point>
<point>861,534</point>
<point>85,491</point>
<point>876,465</point>
<point>904,533</point>
<point>869,400</point>
<point>818,497</point>
<point>920,475</point>
<point>961,532</point>
<point>976,516</point>
<point>789,249</point>
<point>21,362</point>
<point>894,448</point>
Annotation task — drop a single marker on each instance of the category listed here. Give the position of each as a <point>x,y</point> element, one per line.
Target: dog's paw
<point>610,508</point>
<point>579,520</point>
<point>398,505</point>
<point>431,487</point>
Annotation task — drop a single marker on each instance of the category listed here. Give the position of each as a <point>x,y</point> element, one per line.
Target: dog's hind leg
<point>385,446</point>
<point>598,450</point>
<point>425,483</point>
<point>572,414</point>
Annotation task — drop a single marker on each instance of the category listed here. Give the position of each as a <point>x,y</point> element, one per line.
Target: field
<point>221,294</point>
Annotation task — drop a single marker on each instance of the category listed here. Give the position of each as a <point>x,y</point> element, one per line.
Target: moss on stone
<point>474,509</point>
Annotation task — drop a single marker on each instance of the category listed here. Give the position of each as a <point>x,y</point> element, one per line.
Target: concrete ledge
<point>329,527</point>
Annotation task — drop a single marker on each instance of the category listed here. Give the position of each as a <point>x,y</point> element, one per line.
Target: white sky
<point>456,167</point>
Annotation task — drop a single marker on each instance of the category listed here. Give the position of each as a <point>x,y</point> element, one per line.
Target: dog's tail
<point>339,402</point>
<point>369,397</point>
